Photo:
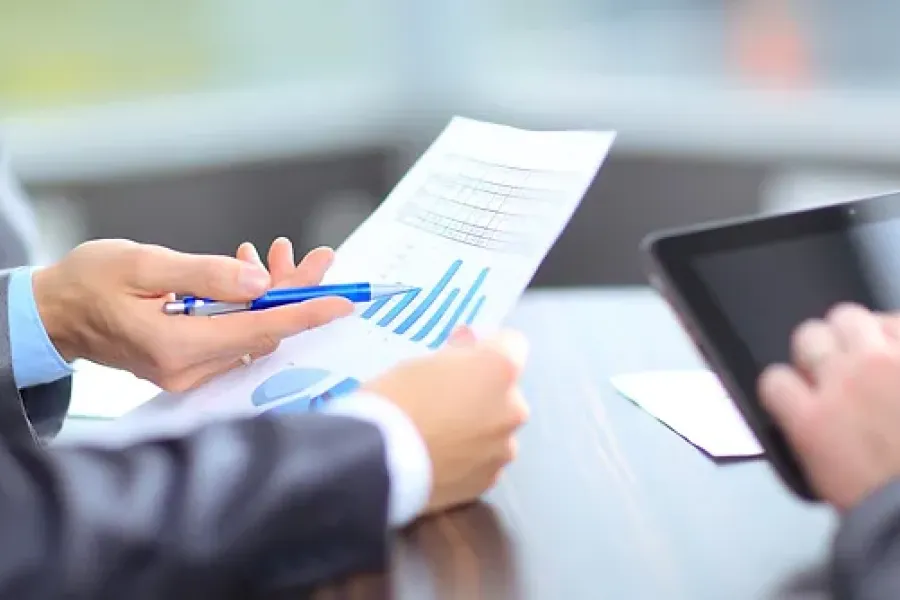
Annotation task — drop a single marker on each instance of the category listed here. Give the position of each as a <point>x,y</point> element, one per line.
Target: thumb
<point>502,357</point>
<point>223,278</point>
<point>462,336</point>
<point>513,345</point>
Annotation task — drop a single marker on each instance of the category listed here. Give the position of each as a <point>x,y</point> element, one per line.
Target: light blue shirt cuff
<point>409,465</point>
<point>35,359</point>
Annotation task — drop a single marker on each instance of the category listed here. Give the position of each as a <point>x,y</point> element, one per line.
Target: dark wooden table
<point>605,501</point>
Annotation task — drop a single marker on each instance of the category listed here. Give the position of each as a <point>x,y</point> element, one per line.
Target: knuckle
<point>810,329</point>
<point>879,357</point>
<point>801,330</point>
<point>265,350</point>
<point>491,479</point>
<point>500,364</point>
<point>267,342</point>
<point>511,451</point>
<point>891,325</point>
<point>171,383</point>
<point>217,280</point>
<point>843,310</point>
<point>815,419</point>
<point>520,411</point>
<point>167,363</point>
<point>138,259</point>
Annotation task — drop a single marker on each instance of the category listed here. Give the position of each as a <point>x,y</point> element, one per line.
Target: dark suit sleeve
<point>229,510</point>
<point>867,548</point>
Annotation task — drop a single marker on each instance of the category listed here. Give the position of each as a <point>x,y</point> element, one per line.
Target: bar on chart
<point>429,299</point>
<point>457,315</point>
<point>399,308</point>
<point>474,312</point>
<point>375,307</point>
<point>462,311</point>
<point>436,317</point>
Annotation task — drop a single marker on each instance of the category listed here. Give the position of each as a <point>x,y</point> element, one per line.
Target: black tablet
<point>742,286</point>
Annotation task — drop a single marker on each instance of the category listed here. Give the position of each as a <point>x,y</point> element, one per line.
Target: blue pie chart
<point>292,383</point>
<point>284,384</point>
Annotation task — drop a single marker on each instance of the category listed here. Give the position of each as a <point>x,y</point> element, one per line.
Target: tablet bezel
<point>668,257</point>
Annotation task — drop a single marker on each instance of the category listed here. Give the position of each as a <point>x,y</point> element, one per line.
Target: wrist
<point>56,312</point>
<point>408,461</point>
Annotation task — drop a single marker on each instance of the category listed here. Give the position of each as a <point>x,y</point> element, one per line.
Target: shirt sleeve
<point>35,360</point>
<point>409,464</point>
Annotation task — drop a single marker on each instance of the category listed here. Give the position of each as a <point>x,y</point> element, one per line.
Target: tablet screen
<point>764,291</point>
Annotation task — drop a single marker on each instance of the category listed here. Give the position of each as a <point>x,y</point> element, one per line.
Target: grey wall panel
<point>320,200</point>
<point>633,196</point>
<point>213,211</point>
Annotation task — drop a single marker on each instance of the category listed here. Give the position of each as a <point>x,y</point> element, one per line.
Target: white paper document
<point>99,392</point>
<point>468,225</point>
<point>695,405</point>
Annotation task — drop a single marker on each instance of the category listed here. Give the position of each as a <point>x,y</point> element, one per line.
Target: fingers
<point>286,321</point>
<point>848,328</point>
<point>856,328</point>
<point>814,346</point>
<point>157,271</point>
<point>311,269</point>
<point>521,410</point>
<point>790,401</point>
<point>512,345</point>
<point>281,267</point>
<point>257,332</point>
<point>196,375</point>
<point>497,361</point>
<point>281,260</point>
<point>247,253</point>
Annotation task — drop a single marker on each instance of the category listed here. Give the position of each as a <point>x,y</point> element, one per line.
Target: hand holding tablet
<point>839,405</point>
<point>743,287</point>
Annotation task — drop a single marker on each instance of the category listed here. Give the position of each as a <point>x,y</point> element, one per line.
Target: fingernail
<point>252,249</point>
<point>462,336</point>
<point>253,280</point>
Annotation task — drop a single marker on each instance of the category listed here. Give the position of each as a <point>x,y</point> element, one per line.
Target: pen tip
<point>391,289</point>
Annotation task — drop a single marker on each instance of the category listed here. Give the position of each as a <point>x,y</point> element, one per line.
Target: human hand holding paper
<point>467,227</point>
<point>102,302</point>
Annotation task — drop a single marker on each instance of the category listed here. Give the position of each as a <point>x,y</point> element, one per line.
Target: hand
<point>285,273</point>
<point>103,302</point>
<point>465,402</point>
<point>840,404</point>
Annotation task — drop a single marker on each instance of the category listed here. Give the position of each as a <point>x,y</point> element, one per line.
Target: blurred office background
<point>201,123</point>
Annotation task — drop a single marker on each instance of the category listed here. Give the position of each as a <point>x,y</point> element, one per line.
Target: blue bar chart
<point>407,299</point>
<point>446,305</point>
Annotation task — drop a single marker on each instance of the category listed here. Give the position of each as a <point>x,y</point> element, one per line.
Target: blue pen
<point>355,292</point>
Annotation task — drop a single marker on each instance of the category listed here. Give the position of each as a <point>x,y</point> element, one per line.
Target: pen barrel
<point>357,292</point>
<point>211,308</point>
